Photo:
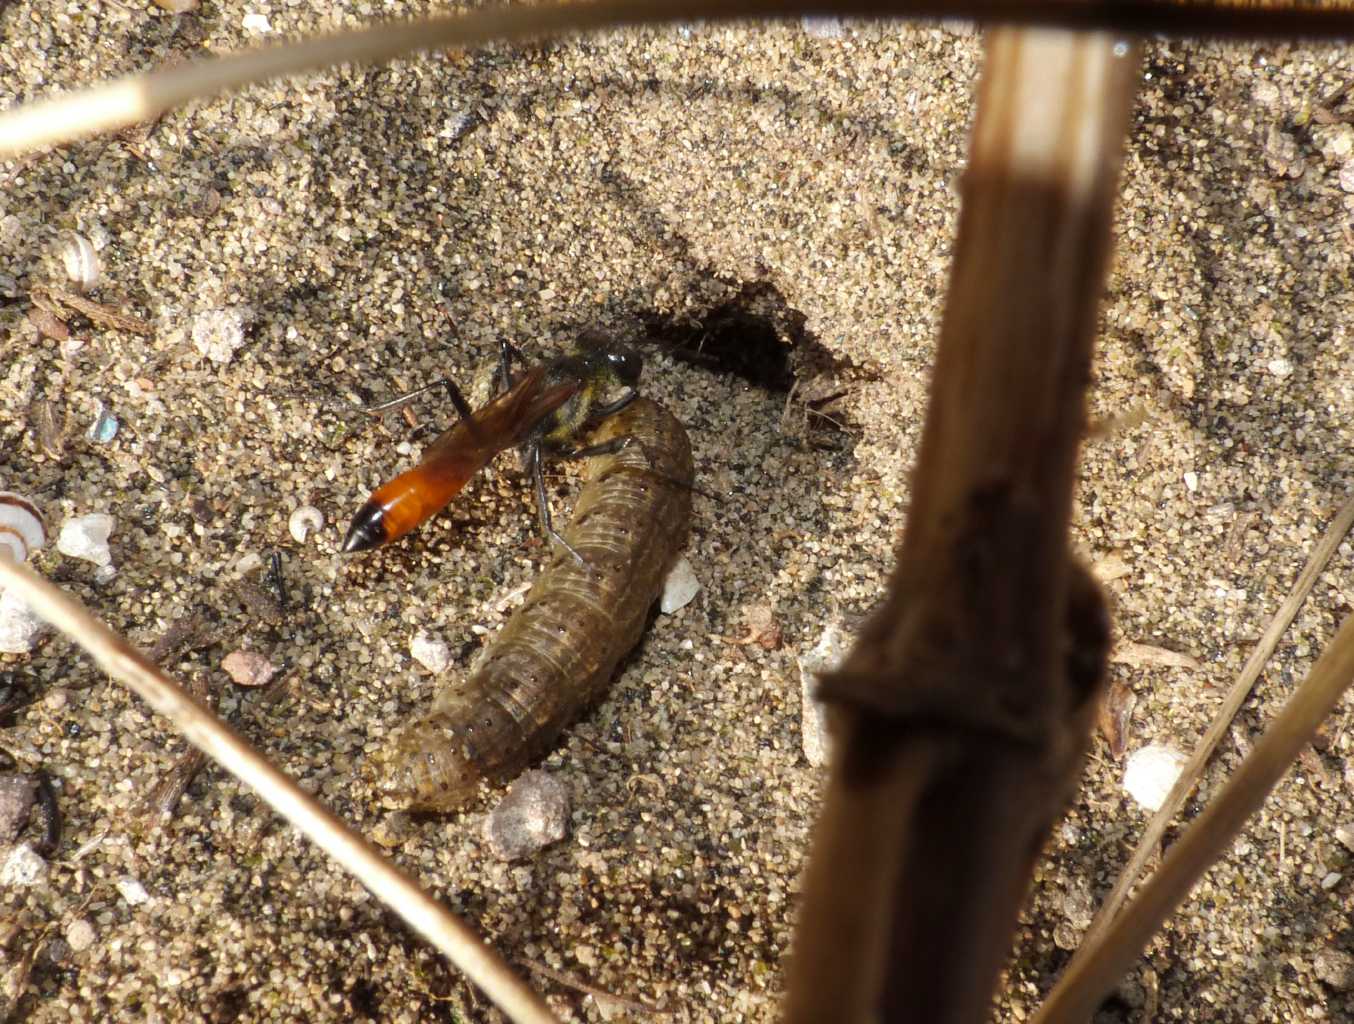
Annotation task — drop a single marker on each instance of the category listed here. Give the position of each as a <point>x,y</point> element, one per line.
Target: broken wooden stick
<point>967,703</point>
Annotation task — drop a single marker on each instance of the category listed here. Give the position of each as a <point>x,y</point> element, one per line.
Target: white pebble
<point>256,24</point>
<point>132,891</point>
<point>81,261</point>
<point>304,521</point>
<point>20,626</point>
<point>1347,176</point>
<point>24,866</point>
<point>1151,773</point>
<point>1192,481</point>
<point>248,668</point>
<point>1344,834</point>
<point>86,537</point>
<point>679,587</point>
<point>1281,368</point>
<point>534,813</point>
<point>22,530</point>
<point>218,333</point>
<point>815,726</point>
<point>434,655</point>
<point>1331,880</point>
<point>80,935</point>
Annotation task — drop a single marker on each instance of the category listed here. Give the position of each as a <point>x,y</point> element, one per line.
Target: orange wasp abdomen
<point>418,494</point>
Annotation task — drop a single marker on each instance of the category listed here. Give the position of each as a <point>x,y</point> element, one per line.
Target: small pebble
<point>1335,967</point>
<point>24,866</point>
<point>1265,93</point>
<point>303,522</point>
<point>1281,368</point>
<point>815,725</point>
<point>80,935</point>
<point>1331,880</point>
<point>1192,482</point>
<point>248,668</point>
<point>86,538</point>
<point>1283,155</point>
<point>17,795</point>
<point>434,655</point>
<point>1151,773</point>
<point>393,830</point>
<point>132,891</point>
<point>534,813</point>
<point>679,587</point>
<point>1347,176</point>
<point>177,6</point>
<point>219,333</point>
<point>256,24</point>
<point>20,626</point>
<point>1344,835</point>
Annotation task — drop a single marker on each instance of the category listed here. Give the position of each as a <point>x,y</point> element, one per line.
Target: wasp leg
<point>508,353</point>
<point>445,382</point>
<point>543,503</point>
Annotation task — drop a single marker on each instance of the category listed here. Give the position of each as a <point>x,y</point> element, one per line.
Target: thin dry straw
<point>131,100</point>
<point>1222,721</point>
<point>1093,975</point>
<point>216,739</point>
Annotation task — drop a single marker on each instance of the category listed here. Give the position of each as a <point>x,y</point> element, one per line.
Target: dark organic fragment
<point>559,651</point>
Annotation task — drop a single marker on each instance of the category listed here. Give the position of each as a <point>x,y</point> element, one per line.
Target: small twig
<point>1098,968</point>
<point>204,730</point>
<point>573,982</point>
<point>1240,690</point>
<point>96,312</point>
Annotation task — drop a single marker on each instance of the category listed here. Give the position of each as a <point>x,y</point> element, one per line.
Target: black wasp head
<point>625,363</point>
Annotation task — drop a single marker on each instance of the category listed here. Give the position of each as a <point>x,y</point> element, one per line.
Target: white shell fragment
<point>86,538</point>
<point>219,333</point>
<point>825,656</point>
<point>20,626</point>
<point>248,668</point>
<point>1151,773</point>
<point>132,891</point>
<point>432,654</point>
<point>304,521</point>
<point>80,260</point>
<point>679,587</point>
<point>22,530</point>
<point>534,814</point>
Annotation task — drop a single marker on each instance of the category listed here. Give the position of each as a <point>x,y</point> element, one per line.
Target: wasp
<point>541,412</point>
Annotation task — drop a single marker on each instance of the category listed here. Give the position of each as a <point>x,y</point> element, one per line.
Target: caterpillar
<point>558,652</point>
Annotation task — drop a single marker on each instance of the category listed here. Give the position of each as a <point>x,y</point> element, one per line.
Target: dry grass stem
<point>141,98</point>
<point>1099,966</point>
<point>1236,696</point>
<point>1128,653</point>
<point>216,739</point>
<point>967,702</point>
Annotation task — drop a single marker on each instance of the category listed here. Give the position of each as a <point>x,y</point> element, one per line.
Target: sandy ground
<point>380,228</point>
